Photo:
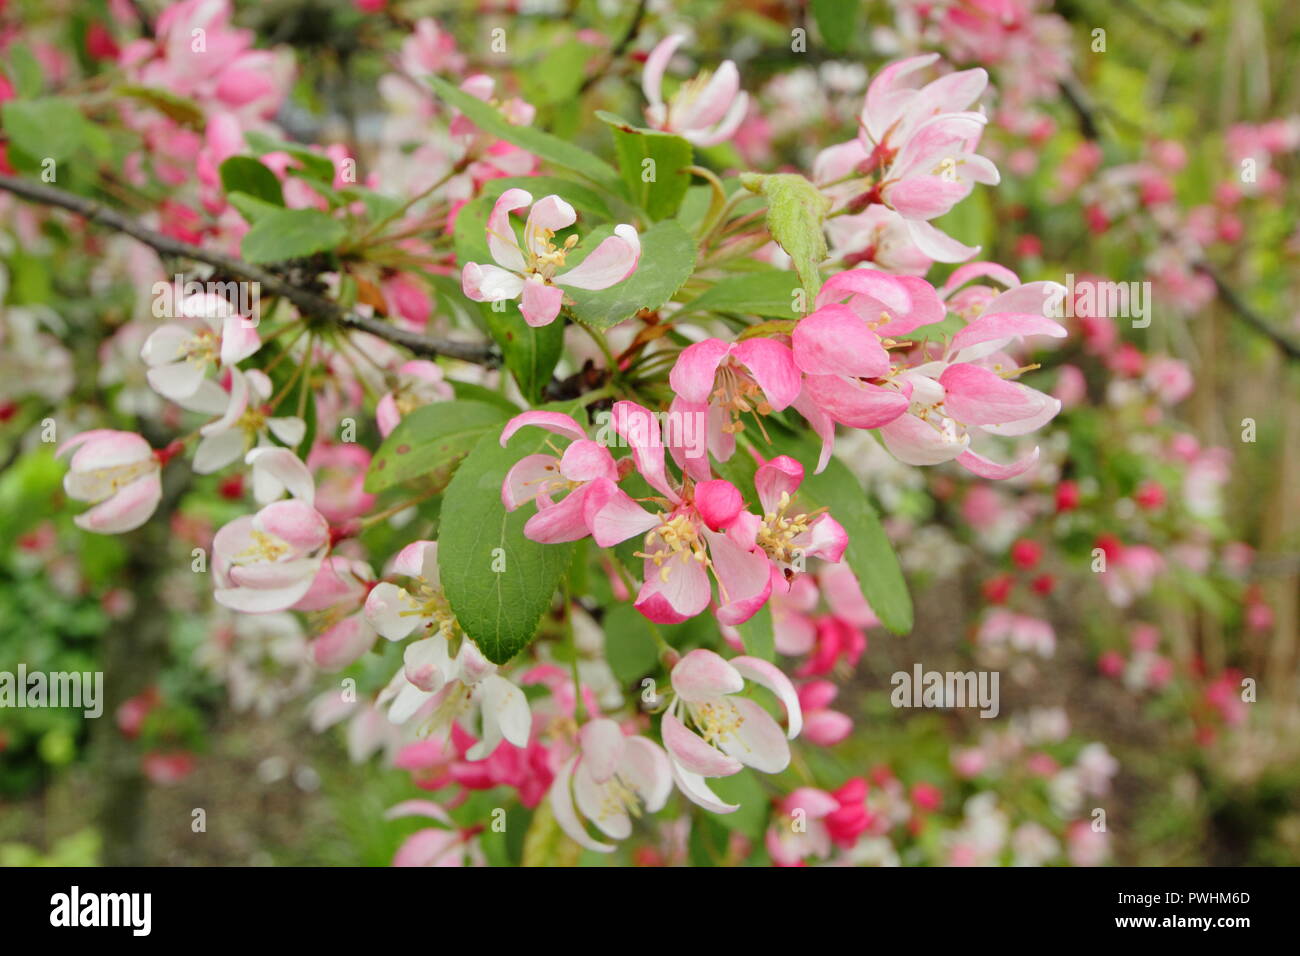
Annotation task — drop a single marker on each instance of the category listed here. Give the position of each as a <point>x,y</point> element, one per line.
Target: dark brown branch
<point>1234,301</point>
<point>307,302</point>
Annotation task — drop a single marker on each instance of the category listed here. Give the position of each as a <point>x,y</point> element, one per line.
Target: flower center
<point>429,602</point>
<point>777,531</point>
<point>265,547</point>
<point>544,257</point>
<point>718,720</point>
<point>738,394</point>
<point>677,538</point>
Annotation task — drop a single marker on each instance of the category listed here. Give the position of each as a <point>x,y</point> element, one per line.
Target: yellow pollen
<point>265,547</point>
<point>718,720</point>
<point>777,530</point>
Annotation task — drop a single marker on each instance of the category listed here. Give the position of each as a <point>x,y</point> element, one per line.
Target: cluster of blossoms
<point>709,521</point>
<point>861,358</point>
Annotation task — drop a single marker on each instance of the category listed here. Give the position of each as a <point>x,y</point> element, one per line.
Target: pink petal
<point>556,422</point>
<point>602,745</point>
<point>489,283</point>
<point>718,502</point>
<point>835,341</point>
<point>981,466</point>
<point>528,477</point>
<point>612,516</point>
<point>768,675</point>
<point>689,749</point>
<point>560,522</point>
<point>703,675</point>
<point>129,508</point>
<point>781,474</point>
<point>549,214</point>
<point>697,365</point>
<point>585,460</point>
<point>915,442</point>
<point>612,261</point>
<point>744,579</point>
<point>501,235</point>
<point>640,428</point>
<point>854,403</point>
<point>977,396</point>
<point>541,303</point>
<point>771,363</point>
<point>656,64</point>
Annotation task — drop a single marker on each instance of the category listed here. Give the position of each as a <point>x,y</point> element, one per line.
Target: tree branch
<point>1234,301</point>
<point>307,302</point>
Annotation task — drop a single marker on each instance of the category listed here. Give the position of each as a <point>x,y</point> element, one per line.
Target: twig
<point>1234,301</point>
<point>307,302</point>
<point>1090,130</point>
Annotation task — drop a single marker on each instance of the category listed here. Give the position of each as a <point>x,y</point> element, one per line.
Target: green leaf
<point>379,207</point>
<point>314,165</point>
<point>667,261</point>
<point>290,234</point>
<point>559,75</point>
<point>770,293</point>
<point>550,148</point>
<point>796,212</point>
<point>530,354</point>
<point>244,174</point>
<point>498,609</point>
<point>759,634</point>
<point>629,647</point>
<point>668,157</point>
<point>24,71</point>
<point>49,128</point>
<point>837,22</point>
<point>178,109</point>
<point>250,207</point>
<point>474,392</point>
<point>431,440</point>
<point>743,788</point>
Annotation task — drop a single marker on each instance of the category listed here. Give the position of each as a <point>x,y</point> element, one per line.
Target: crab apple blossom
<point>540,477</point>
<point>117,472</point>
<point>444,845</point>
<point>245,420</point>
<point>612,778</point>
<point>705,110</point>
<point>716,383</point>
<point>730,732</point>
<point>269,560</point>
<point>792,846</point>
<point>396,612</point>
<point>419,382</point>
<point>179,356</point>
<point>528,272</point>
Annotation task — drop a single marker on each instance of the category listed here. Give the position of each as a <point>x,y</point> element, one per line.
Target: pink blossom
<point>821,725</point>
<point>541,478</point>
<point>731,732</point>
<point>528,272</point>
<point>705,110</point>
<point>117,472</point>
<point>610,778</point>
<point>716,382</point>
<point>268,561</point>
